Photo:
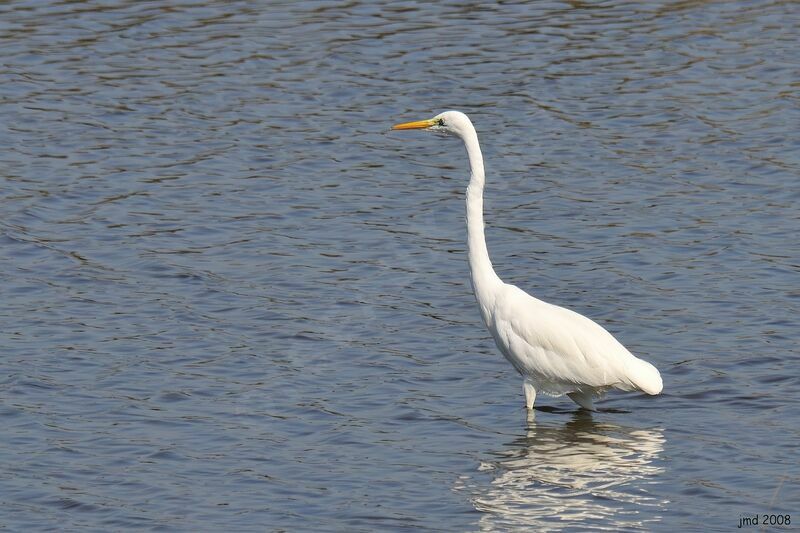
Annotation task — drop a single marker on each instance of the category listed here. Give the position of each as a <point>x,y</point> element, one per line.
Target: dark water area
<point>232,299</point>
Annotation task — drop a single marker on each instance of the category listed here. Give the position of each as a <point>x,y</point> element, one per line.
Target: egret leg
<point>530,394</point>
<point>582,398</point>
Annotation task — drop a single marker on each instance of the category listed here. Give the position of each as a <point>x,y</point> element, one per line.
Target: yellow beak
<point>418,125</point>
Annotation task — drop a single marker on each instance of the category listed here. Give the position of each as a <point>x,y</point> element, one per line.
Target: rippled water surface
<point>233,300</point>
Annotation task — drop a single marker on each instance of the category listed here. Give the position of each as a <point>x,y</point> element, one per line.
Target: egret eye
<point>441,122</point>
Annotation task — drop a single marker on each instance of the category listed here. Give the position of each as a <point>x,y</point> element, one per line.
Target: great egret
<point>556,350</point>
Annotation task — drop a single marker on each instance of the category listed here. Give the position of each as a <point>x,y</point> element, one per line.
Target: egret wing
<point>558,346</point>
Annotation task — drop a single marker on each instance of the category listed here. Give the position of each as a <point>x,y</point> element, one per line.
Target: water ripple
<point>232,298</point>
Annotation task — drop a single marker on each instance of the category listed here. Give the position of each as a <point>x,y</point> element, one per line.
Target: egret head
<point>449,123</point>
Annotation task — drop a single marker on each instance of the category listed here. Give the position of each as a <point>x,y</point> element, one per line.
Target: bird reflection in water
<point>582,473</point>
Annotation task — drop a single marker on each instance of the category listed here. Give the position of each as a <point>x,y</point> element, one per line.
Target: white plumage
<point>557,351</point>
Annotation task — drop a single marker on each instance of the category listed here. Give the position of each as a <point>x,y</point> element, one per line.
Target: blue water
<point>234,300</point>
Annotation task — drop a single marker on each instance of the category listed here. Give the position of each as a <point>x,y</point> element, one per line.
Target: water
<point>233,300</point>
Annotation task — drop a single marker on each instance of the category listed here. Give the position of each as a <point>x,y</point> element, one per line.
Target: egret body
<point>557,351</point>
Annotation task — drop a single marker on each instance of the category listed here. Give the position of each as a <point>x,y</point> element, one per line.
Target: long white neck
<point>484,279</point>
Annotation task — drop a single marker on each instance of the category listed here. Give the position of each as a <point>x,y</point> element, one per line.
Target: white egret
<point>556,350</point>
